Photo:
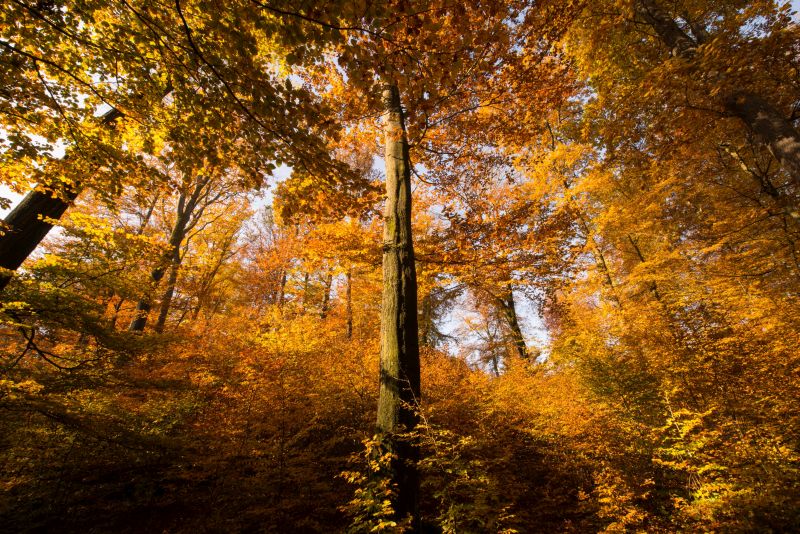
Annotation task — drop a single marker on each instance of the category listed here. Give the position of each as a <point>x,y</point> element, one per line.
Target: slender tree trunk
<point>769,126</point>
<point>326,296</point>
<point>166,299</point>
<point>26,226</point>
<point>512,320</point>
<point>653,285</point>
<point>349,297</point>
<point>144,305</point>
<point>208,283</point>
<point>176,238</point>
<point>183,222</point>
<point>425,319</point>
<point>282,292</point>
<point>399,366</point>
<point>305,292</point>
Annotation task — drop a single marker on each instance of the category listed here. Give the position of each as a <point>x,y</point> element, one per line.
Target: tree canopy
<point>408,266</point>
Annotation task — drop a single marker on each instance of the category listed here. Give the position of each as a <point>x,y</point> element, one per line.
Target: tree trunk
<point>117,306</point>
<point>166,300</point>
<point>183,223</point>
<point>326,296</point>
<point>25,227</point>
<point>399,365</point>
<point>175,240</point>
<point>426,320</point>
<point>769,126</point>
<point>652,285</point>
<point>282,292</point>
<point>512,320</point>
<point>349,296</point>
<point>144,305</point>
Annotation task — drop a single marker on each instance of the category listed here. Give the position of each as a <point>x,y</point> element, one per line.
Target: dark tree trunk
<point>399,365</point>
<point>769,126</point>
<point>305,292</point>
<point>114,317</point>
<point>25,225</point>
<point>144,305</point>
<point>509,308</point>
<point>426,321</point>
<point>326,296</point>
<point>653,286</point>
<point>166,299</point>
<point>349,297</point>
<point>282,292</point>
<point>186,207</point>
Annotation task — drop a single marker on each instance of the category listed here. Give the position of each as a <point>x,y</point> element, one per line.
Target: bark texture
<point>326,295</point>
<point>183,222</point>
<point>26,225</point>
<point>399,366</point>
<point>509,308</point>
<point>169,292</point>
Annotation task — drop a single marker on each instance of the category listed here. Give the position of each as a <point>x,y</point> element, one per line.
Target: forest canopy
<point>408,266</point>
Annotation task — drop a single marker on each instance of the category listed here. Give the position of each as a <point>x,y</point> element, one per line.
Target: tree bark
<point>426,320</point>
<point>186,207</point>
<point>166,299</point>
<point>769,126</point>
<point>25,226</point>
<point>508,306</point>
<point>399,364</point>
<point>326,296</point>
<point>282,292</point>
<point>349,297</point>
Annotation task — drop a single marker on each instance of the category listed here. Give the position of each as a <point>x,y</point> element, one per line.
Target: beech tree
<point>527,266</point>
<point>177,52</point>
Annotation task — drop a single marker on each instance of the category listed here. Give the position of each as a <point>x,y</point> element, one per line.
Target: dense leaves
<point>605,222</point>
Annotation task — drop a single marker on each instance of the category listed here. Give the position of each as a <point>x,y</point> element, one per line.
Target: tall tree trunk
<point>282,292</point>
<point>509,308</point>
<point>769,126</point>
<point>166,299</point>
<point>399,365</point>
<point>349,297</point>
<point>208,283</point>
<point>326,295</point>
<point>653,285</point>
<point>184,212</point>
<point>26,227</point>
<point>143,306</point>
<point>426,320</point>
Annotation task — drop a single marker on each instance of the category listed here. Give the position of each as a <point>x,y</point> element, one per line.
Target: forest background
<point>510,266</point>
